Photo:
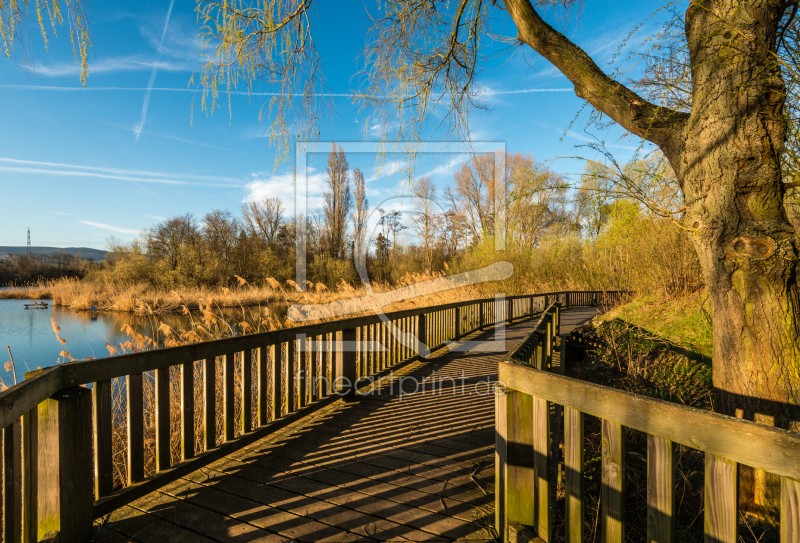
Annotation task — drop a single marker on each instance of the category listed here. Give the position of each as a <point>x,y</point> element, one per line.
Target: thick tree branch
<point>659,125</point>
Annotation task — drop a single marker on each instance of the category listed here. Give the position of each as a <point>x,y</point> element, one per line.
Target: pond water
<point>29,333</point>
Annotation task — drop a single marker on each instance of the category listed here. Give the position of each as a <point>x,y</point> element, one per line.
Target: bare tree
<point>359,215</point>
<point>338,202</point>
<point>425,222</point>
<point>263,219</point>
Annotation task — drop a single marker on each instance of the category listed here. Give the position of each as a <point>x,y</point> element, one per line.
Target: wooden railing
<point>72,454</point>
<point>533,401</point>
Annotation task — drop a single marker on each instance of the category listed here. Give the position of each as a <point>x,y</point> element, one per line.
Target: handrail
<point>267,380</point>
<point>16,401</point>
<point>529,417</point>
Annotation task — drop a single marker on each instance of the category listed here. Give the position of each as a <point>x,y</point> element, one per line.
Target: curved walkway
<point>387,466</point>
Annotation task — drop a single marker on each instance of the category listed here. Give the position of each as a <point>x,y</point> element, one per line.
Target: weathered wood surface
<point>612,493</point>
<point>767,448</point>
<point>721,500</point>
<point>573,476</point>
<point>418,467</point>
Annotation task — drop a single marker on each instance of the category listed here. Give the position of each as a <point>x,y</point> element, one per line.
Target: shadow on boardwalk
<point>384,466</point>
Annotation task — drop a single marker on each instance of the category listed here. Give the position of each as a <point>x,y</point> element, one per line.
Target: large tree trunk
<point>729,168</point>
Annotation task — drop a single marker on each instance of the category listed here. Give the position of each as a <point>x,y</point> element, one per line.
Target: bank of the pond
<point>33,342</point>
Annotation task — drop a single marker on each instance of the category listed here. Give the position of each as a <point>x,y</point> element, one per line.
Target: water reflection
<point>29,332</point>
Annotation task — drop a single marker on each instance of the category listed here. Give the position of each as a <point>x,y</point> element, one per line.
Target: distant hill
<point>86,253</point>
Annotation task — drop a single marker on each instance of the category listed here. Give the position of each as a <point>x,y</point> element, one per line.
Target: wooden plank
<point>228,396</point>
<point>721,500</point>
<point>790,510</point>
<point>520,488</point>
<point>101,428</point>
<point>573,476</point>
<point>302,363</point>
<point>325,367</point>
<point>501,461</point>
<point>163,445</point>
<point>660,494</point>
<point>209,403</point>
<point>763,447</point>
<point>187,410</point>
<point>12,481</point>
<point>30,474</point>
<point>291,376</point>
<point>263,379</point>
<point>612,494</point>
<point>346,364</point>
<point>134,407</point>
<point>275,381</point>
<point>247,391</point>
<point>541,448</point>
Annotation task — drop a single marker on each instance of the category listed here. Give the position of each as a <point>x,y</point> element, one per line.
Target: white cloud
<point>156,217</point>
<point>109,227</point>
<point>283,186</point>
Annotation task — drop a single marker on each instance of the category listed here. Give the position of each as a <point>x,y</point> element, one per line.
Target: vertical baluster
<point>660,483</point>
<point>163,453</point>
<point>187,410</point>
<point>275,356</point>
<point>302,382</point>
<point>721,500</point>
<point>346,363</point>
<point>573,477</point>
<point>370,351</point>
<point>134,404</point>
<point>790,510</point>
<point>325,367</point>
<point>228,396</point>
<point>263,407</point>
<point>291,377</point>
<point>541,447</point>
<point>12,481</point>
<point>30,471</point>
<point>520,489</point>
<point>613,479</point>
<point>316,356</point>
<point>247,391</point>
<point>210,403</point>
<point>101,427</point>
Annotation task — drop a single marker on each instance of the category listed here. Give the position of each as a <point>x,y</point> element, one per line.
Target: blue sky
<point>73,169</point>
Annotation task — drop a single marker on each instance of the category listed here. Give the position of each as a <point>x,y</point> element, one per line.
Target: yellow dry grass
<point>145,299</point>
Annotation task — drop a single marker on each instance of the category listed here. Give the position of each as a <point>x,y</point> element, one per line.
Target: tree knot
<point>758,248</point>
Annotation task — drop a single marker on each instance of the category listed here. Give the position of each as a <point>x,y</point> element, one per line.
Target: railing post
<point>501,459</point>
<point>346,371</point>
<point>510,310</point>
<point>457,324</point>
<point>480,316</point>
<point>65,497</point>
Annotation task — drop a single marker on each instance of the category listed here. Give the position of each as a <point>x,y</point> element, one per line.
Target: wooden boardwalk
<point>384,466</point>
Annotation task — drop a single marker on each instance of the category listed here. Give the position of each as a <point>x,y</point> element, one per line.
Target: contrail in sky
<point>153,76</point>
<point>241,93</point>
